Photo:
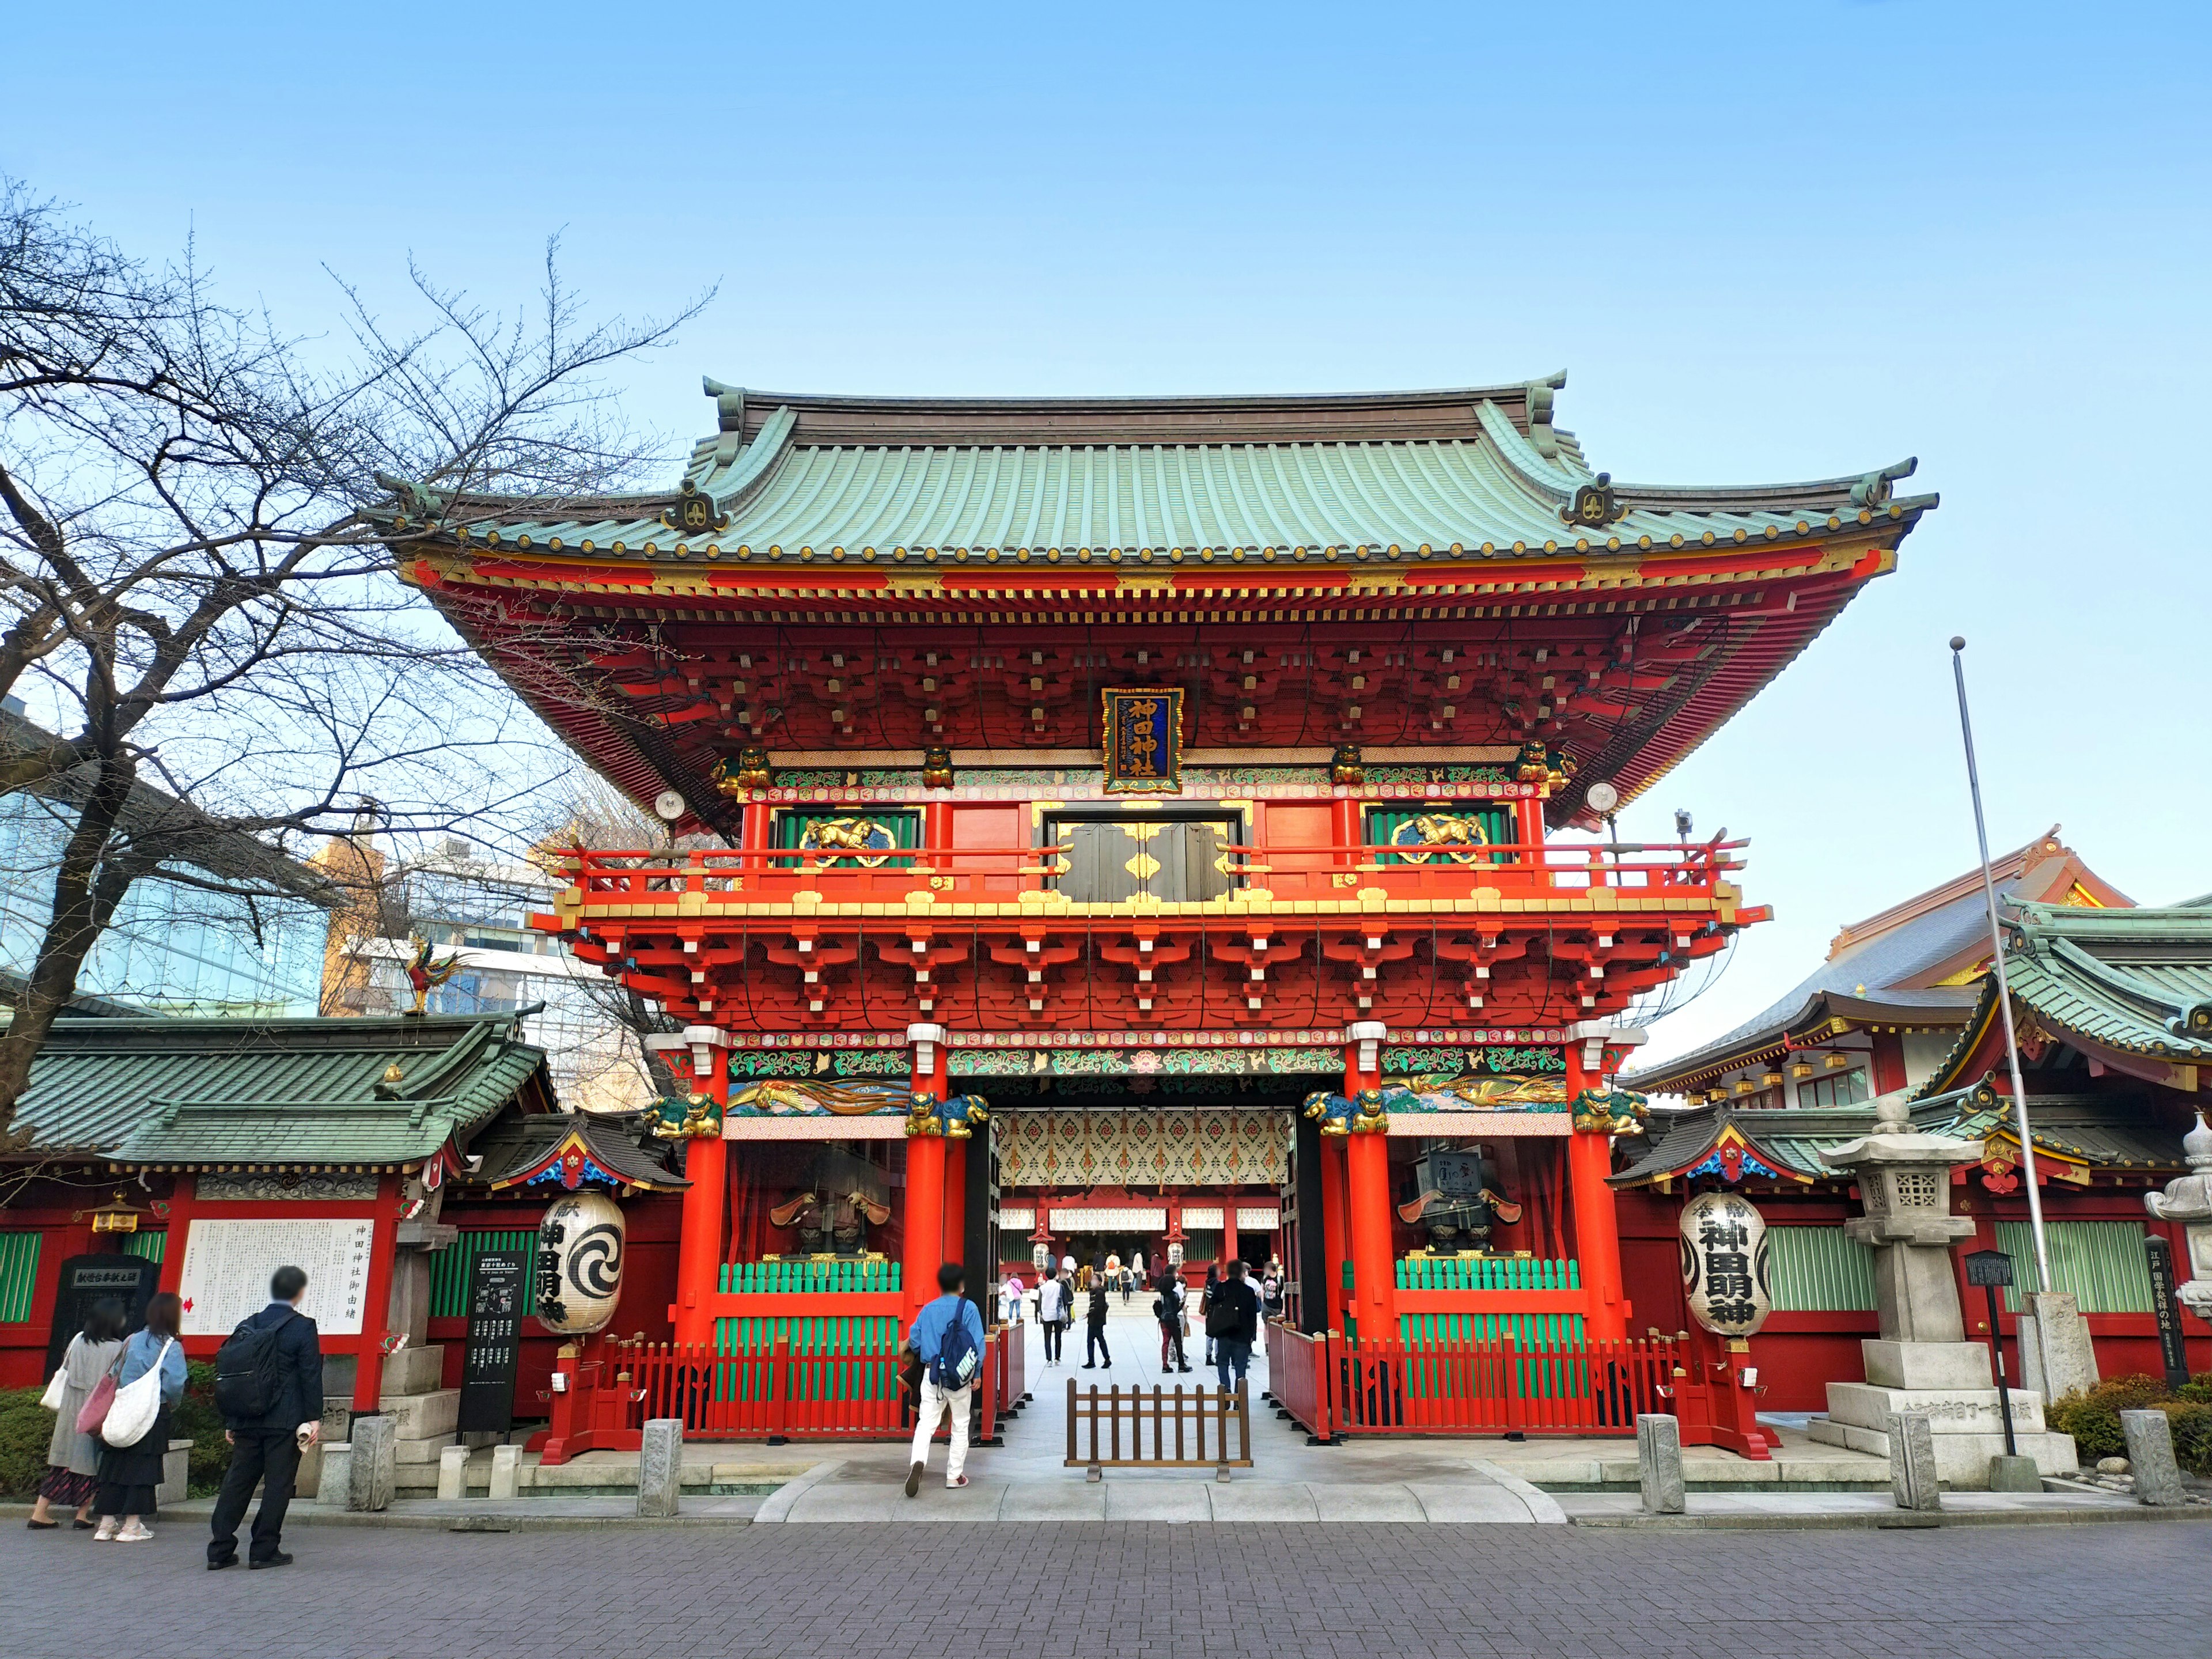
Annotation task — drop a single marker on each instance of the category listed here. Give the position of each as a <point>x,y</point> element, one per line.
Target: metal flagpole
<point>2004,987</point>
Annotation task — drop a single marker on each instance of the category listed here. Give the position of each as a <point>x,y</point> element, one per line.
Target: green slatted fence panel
<point>154,1246</point>
<point>2100,1263</point>
<point>1819,1270</point>
<point>450,1268</point>
<point>18,1275</point>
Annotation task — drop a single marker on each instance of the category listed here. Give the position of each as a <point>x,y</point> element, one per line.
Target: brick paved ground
<point>1103,1592</point>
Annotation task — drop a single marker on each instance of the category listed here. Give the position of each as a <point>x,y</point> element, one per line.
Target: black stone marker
<point>131,1279</point>
<point>1989,1269</point>
<point>497,1281</point>
<point>2158,1253</point>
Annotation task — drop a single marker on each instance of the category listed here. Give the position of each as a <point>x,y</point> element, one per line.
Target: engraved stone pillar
<point>1659,1463</point>
<point>2150,1455</point>
<point>506,1470</point>
<point>1912,1478</point>
<point>370,1472</point>
<point>661,1467</point>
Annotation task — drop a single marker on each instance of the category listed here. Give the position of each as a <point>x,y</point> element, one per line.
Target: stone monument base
<point>1951,1384</point>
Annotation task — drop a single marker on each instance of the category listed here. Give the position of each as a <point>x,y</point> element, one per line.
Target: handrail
<point>632,865</point>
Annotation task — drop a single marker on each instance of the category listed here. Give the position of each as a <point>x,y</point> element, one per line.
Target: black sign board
<point>1456,1174</point>
<point>2159,1256</point>
<point>1989,1268</point>
<point>497,1287</point>
<point>131,1279</point>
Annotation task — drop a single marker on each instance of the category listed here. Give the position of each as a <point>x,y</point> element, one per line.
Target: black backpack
<point>248,1371</point>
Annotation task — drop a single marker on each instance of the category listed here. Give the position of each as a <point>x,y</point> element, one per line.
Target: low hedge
<point>2091,1416</point>
<point>27,1428</point>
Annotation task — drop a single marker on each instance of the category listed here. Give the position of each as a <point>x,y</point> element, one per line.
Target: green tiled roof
<point>2103,1131</point>
<point>190,1091</point>
<point>2138,982</point>
<point>977,479</point>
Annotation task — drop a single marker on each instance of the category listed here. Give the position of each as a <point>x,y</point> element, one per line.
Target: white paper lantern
<point>580,1263</point>
<point>1724,1264</point>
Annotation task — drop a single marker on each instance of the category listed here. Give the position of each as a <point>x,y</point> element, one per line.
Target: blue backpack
<point>958,1356</point>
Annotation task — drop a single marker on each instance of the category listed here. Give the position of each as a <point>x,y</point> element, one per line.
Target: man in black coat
<point>266,1447</point>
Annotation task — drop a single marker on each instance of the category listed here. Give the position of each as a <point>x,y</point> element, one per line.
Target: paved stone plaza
<point>1101,1591</point>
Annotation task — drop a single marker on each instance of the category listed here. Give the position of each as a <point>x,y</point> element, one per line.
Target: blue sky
<point>1768,241</point>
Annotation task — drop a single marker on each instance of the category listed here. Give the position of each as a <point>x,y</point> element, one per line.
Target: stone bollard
<point>453,1473</point>
<point>374,1462</point>
<point>1913,1462</point>
<point>2150,1451</point>
<point>337,1474</point>
<point>1659,1463</point>
<point>659,1466</point>
<point>506,1470</point>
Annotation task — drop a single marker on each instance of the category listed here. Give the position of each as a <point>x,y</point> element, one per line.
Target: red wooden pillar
<point>1597,1226</point>
<point>182,1193</point>
<point>1529,815</point>
<point>923,1240</point>
<point>699,1244</point>
<point>1888,1062</point>
<point>1335,1237</point>
<point>1228,1229</point>
<point>699,1248</point>
<point>956,1216</point>
<point>376,1301</point>
<point>1367,1184</point>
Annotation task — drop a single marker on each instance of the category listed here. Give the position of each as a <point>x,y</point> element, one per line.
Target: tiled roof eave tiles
<point>1494,484</point>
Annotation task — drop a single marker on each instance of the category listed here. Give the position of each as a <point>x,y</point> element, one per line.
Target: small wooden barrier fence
<point>1333,1388</point>
<point>602,1399</point>
<point>1104,1413</point>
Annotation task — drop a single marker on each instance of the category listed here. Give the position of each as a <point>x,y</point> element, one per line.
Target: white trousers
<point>935,1401</point>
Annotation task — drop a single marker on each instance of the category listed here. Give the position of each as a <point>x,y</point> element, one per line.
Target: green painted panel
<point>2100,1263</point>
<point>1382,823</point>
<point>1819,1270</point>
<point>18,1275</point>
<point>154,1246</point>
<point>450,1268</point>
<point>791,824</point>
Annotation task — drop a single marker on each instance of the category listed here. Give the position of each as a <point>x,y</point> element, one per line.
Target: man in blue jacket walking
<point>947,1338</point>
<point>284,1380</point>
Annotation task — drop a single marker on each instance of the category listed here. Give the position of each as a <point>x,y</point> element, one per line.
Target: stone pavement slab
<point>1156,1500</point>
<point>1338,1502</point>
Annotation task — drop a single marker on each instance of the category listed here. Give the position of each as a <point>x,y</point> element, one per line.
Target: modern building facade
<point>174,947</point>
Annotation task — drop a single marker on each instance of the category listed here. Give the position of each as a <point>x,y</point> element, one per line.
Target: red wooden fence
<point>605,1399</point>
<point>1334,1388</point>
<point>1298,1376</point>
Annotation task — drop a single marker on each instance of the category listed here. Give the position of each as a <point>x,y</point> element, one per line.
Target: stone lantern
<point>2188,1199</point>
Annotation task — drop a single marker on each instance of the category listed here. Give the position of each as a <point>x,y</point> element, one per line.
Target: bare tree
<point>595,815</point>
<point>193,594</point>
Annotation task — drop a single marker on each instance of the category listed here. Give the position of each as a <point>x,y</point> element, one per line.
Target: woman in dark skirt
<point>72,1458</point>
<point>129,1475</point>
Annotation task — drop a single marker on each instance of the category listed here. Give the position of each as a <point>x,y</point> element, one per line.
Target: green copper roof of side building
<point>1472,471</point>
<point>193,1092</point>
<point>2137,982</point>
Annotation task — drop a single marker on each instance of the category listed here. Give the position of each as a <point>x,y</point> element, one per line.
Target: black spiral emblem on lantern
<point>595,1262</point>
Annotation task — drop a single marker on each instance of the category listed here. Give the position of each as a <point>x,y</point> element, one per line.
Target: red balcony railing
<point>640,880</point>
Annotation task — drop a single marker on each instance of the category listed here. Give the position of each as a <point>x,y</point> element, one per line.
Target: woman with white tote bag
<point>149,1382</point>
<point>73,1454</point>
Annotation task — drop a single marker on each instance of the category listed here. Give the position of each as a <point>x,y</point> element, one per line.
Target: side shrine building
<point>1130,826</point>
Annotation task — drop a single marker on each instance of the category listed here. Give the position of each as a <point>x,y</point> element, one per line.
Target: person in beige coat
<point>73,1458</point>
